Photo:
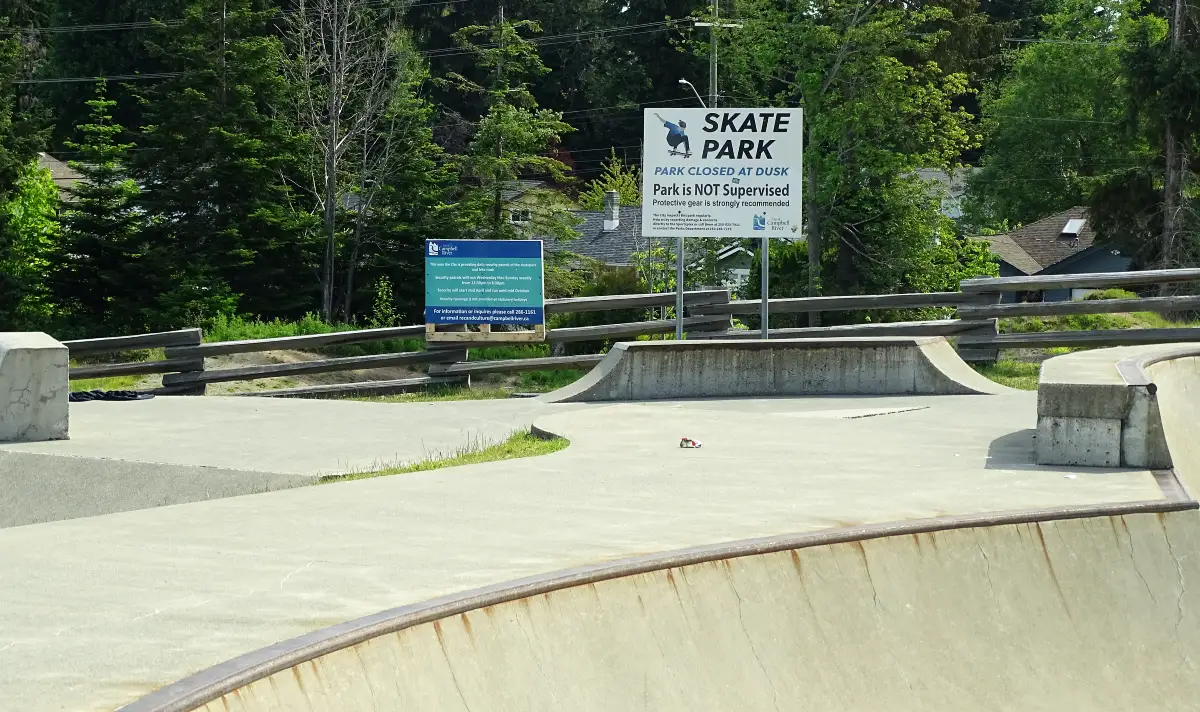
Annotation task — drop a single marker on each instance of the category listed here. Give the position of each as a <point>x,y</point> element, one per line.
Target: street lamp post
<point>679,251</point>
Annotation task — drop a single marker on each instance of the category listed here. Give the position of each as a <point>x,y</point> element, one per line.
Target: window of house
<point>520,216</point>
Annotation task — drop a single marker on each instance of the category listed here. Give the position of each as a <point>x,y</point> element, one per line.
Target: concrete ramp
<point>1050,610</point>
<point>1177,382</point>
<point>654,370</point>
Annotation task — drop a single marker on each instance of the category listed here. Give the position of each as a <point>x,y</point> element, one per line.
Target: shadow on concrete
<point>1015,452</point>
<point>1012,451</point>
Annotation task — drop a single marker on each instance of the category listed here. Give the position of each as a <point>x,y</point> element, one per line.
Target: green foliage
<point>222,231</point>
<point>101,278</point>
<point>512,139</point>
<point>223,327</point>
<point>1110,294</point>
<point>31,237</point>
<point>617,176</point>
<point>877,108</point>
<point>1054,124</point>
<point>383,312</point>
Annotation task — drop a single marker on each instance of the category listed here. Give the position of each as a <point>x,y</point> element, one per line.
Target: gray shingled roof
<point>1040,245</point>
<point>517,188</point>
<point>611,248</point>
<point>64,176</point>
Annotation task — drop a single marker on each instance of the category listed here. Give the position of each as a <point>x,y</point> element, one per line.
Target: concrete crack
<point>745,632</point>
<point>299,570</point>
<point>537,661</point>
<point>1136,568</point>
<point>1179,599</point>
<point>987,569</point>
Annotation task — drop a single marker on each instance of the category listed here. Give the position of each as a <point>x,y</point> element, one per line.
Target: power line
<point>1034,40</point>
<point>113,78</point>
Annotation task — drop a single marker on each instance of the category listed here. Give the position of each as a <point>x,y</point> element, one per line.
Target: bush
<point>238,328</point>
<point>1111,294</point>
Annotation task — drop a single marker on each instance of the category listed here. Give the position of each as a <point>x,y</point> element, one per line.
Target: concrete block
<point>34,387</point>
<point>1143,443</point>
<point>1086,442</point>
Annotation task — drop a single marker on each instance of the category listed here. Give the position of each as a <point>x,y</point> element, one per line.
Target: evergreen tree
<point>512,139</point>
<point>624,179</point>
<point>101,281</point>
<point>222,232</point>
<point>120,51</point>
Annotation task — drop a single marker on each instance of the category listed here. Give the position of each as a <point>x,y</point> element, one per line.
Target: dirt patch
<point>268,358</point>
<point>218,363</point>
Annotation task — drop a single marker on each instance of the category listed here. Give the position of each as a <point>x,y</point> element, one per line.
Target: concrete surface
<point>652,370</point>
<point>1083,614</point>
<point>170,450</point>
<point>1082,395</point>
<point>33,387</point>
<point>1090,414</point>
<point>105,609</point>
<point>1178,395</point>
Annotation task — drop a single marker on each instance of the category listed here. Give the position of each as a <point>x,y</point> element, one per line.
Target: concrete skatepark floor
<point>107,608</point>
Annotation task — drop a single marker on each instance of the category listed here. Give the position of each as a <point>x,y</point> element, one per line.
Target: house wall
<point>1096,259</point>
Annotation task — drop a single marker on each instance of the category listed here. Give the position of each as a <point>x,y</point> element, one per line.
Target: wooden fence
<point>708,315</point>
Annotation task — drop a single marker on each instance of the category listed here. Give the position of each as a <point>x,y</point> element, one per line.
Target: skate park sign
<point>722,172</point>
<point>484,282</point>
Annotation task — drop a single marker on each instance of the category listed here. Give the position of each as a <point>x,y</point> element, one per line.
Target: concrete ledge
<point>34,387</point>
<point>655,370</point>
<point>1100,408</point>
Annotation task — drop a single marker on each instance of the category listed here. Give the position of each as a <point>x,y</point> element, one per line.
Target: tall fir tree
<point>100,281</point>
<point>512,138</point>
<point>222,232</point>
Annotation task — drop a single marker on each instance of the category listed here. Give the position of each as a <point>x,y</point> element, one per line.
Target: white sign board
<point>722,172</point>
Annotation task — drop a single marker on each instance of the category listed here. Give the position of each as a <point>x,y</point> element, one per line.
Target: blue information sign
<point>484,282</point>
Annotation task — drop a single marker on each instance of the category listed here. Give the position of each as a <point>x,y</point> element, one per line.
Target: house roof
<point>63,175</point>
<point>517,188</point>
<point>615,247</point>
<point>1042,244</point>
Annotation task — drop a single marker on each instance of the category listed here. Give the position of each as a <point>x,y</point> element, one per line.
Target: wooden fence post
<point>976,353</point>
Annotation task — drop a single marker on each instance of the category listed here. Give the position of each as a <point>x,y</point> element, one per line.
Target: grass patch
<point>544,381</point>
<point>237,328</point>
<point>112,383</point>
<point>518,445</point>
<point>442,393</point>
<point>1014,374</point>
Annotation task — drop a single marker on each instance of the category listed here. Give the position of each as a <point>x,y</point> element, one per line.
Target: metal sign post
<point>679,289</point>
<point>766,283</point>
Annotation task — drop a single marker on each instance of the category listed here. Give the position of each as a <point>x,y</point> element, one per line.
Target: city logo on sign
<point>677,138</point>
<point>433,249</point>
<point>760,222</point>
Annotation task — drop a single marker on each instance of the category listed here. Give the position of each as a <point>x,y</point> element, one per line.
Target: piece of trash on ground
<point>689,443</point>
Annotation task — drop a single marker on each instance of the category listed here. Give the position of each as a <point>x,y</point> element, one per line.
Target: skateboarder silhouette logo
<point>677,137</point>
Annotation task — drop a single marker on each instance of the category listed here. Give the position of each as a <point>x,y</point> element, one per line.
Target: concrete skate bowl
<point>1085,608</point>
<point>653,370</point>
<point>1175,377</point>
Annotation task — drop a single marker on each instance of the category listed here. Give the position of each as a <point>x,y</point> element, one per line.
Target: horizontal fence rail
<point>115,344</point>
<point>1087,306</point>
<point>945,327</point>
<point>1093,280</point>
<point>846,303</point>
<point>708,315</point>
<point>576,305</point>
